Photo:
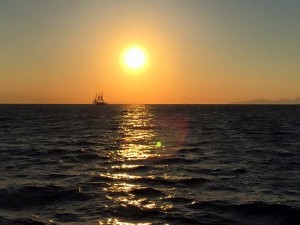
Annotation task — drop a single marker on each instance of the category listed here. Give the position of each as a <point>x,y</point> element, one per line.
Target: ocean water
<point>149,164</point>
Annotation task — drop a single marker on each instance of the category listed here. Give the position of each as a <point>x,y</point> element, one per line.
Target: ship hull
<point>102,103</point>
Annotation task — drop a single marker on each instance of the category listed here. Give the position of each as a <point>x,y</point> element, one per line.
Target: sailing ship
<point>99,100</point>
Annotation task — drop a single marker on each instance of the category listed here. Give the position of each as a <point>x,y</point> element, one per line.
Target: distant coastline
<point>283,101</point>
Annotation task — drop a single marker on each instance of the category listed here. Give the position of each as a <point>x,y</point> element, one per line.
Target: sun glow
<point>134,58</point>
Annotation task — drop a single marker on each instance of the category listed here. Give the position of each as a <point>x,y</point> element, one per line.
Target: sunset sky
<point>198,51</point>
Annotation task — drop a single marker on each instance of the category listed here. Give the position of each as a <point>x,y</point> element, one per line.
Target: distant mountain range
<point>266,101</point>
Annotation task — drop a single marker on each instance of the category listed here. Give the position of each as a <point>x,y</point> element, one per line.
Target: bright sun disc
<point>135,58</point>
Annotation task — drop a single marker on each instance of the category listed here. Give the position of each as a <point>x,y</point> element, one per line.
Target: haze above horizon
<point>198,51</point>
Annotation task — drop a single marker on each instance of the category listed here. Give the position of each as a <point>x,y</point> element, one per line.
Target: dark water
<point>149,164</point>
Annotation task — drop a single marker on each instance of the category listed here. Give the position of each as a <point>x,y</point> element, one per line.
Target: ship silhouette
<point>99,100</point>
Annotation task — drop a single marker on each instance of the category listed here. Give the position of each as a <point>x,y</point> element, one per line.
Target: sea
<point>150,164</point>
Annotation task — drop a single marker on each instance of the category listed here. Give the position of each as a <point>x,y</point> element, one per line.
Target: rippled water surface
<point>149,164</point>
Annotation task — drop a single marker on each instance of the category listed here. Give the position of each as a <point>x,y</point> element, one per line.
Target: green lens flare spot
<point>158,144</point>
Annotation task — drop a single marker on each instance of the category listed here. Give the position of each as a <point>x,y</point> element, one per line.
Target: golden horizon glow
<point>195,52</point>
<point>134,58</point>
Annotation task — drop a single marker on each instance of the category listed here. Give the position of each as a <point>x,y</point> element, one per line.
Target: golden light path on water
<point>117,222</point>
<point>139,147</point>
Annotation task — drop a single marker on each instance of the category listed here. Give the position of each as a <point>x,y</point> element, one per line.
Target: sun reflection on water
<point>139,136</point>
<point>139,145</point>
<point>112,221</point>
<point>118,176</point>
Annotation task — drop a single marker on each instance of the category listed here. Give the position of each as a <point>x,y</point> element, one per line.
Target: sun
<point>134,58</point>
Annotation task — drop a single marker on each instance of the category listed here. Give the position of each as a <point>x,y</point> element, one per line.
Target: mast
<point>99,99</point>
<point>102,100</point>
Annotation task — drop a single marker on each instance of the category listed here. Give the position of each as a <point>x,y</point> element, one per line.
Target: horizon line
<point>241,103</point>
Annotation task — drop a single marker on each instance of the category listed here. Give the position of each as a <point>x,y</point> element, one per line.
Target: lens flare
<point>158,144</point>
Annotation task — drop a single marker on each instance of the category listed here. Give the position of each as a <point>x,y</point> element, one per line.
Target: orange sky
<point>199,51</point>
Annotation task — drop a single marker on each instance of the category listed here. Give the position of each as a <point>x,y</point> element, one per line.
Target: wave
<point>152,180</point>
<point>132,212</point>
<point>135,168</point>
<point>261,208</point>
<point>5,119</point>
<point>285,154</point>
<point>23,221</point>
<point>240,170</point>
<point>81,155</point>
<point>148,191</point>
<point>177,200</point>
<point>176,219</point>
<point>34,196</point>
<point>174,181</point>
<point>176,160</point>
<point>278,213</point>
<point>189,150</point>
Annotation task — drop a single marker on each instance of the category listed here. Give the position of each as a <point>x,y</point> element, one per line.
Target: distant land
<point>266,101</point>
